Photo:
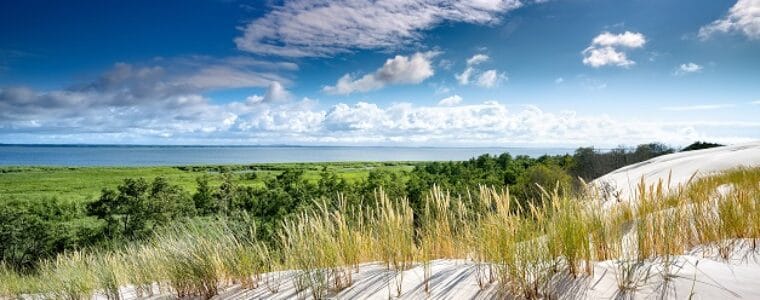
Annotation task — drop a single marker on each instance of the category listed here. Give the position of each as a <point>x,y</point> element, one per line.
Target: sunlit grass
<point>520,248</point>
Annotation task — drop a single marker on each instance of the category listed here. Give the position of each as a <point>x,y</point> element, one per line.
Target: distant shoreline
<point>76,155</point>
<point>289,146</point>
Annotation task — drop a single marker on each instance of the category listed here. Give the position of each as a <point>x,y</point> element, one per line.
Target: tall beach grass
<point>518,248</point>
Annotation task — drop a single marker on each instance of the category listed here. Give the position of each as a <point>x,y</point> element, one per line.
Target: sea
<point>146,155</point>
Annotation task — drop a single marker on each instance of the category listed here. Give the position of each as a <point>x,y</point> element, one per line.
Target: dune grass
<point>518,248</point>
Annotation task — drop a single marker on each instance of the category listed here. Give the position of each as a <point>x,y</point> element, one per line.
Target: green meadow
<point>81,184</point>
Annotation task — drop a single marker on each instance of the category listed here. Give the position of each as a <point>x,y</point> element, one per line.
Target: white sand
<point>703,277</point>
<point>678,168</point>
<point>700,274</point>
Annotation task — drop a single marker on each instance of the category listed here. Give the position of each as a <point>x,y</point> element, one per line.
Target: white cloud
<point>450,101</point>
<point>698,107</point>
<point>606,56</point>
<point>757,102</point>
<point>147,105</point>
<point>488,79</point>
<point>464,77</point>
<point>487,123</point>
<point>196,119</point>
<point>276,93</point>
<point>626,39</point>
<point>743,17</point>
<point>559,80</point>
<point>491,78</point>
<point>477,59</point>
<point>688,68</point>
<point>304,28</point>
<point>605,49</point>
<point>398,70</point>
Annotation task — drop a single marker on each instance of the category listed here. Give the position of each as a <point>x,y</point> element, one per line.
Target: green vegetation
<point>124,219</point>
<point>82,184</point>
<point>520,248</point>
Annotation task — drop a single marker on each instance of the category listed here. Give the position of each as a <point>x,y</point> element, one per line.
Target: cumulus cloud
<point>149,104</point>
<point>163,98</point>
<point>303,28</point>
<point>743,17</point>
<point>688,68</point>
<point>491,78</point>
<point>450,101</point>
<point>194,118</point>
<point>490,122</point>
<point>464,77</point>
<point>487,79</point>
<point>276,93</point>
<point>605,49</point>
<point>605,56</point>
<point>398,70</point>
<point>626,39</point>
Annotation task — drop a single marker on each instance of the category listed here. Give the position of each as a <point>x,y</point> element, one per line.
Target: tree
<point>130,206</point>
<point>167,202</point>
<point>329,185</point>
<point>203,199</point>
<point>225,195</point>
<point>389,182</point>
<point>137,207</point>
<point>25,237</point>
<point>539,178</point>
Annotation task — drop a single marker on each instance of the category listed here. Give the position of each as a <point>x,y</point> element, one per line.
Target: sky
<point>393,73</point>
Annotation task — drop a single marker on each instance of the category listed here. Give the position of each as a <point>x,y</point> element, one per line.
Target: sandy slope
<point>621,184</point>
<point>700,274</point>
<point>697,275</point>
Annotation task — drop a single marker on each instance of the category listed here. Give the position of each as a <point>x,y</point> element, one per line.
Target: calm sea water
<point>67,155</point>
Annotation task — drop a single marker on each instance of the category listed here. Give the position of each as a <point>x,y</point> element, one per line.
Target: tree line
<point>32,230</point>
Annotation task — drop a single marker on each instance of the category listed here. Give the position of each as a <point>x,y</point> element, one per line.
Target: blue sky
<point>353,72</point>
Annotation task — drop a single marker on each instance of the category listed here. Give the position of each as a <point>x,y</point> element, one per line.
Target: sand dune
<point>698,274</point>
<point>676,169</point>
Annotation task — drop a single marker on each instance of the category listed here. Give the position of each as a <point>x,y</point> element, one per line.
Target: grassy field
<point>85,183</point>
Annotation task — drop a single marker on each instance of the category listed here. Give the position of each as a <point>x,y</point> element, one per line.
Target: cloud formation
<point>605,49</point>
<point>688,68</point>
<point>191,118</point>
<point>398,70</point>
<point>165,84</point>
<point>304,28</point>
<point>491,78</point>
<point>450,101</point>
<point>486,79</point>
<point>275,93</point>
<point>627,39</point>
<point>743,17</point>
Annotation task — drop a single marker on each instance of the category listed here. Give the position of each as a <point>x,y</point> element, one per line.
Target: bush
<point>539,178</point>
